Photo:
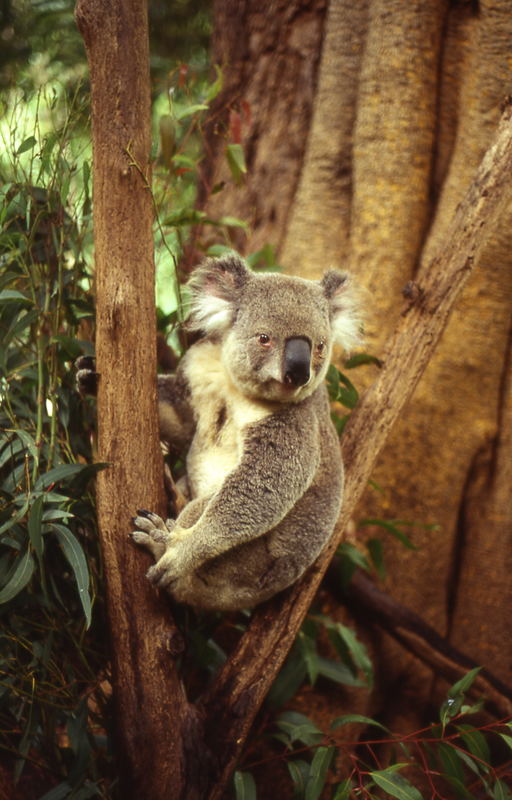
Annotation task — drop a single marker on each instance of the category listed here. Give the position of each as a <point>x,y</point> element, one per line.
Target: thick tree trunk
<point>391,147</point>
<point>233,700</point>
<point>150,704</point>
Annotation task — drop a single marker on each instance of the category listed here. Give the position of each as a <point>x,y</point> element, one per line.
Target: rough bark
<point>325,185</point>
<point>234,698</point>
<point>269,54</point>
<point>428,83</point>
<point>151,710</point>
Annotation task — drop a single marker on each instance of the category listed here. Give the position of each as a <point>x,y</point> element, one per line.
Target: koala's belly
<point>222,415</point>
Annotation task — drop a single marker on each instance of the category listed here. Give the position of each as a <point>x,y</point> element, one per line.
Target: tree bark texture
<point>151,710</point>
<point>361,143</point>
<point>230,705</point>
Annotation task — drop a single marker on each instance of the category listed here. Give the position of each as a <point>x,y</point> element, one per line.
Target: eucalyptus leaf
<point>349,719</point>
<point>395,785</point>
<point>76,559</point>
<point>322,760</point>
<point>19,577</point>
<point>35,527</point>
<point>245,787</point>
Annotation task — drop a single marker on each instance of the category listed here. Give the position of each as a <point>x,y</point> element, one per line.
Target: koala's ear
<point>346,323</point>
<point>216,286</point>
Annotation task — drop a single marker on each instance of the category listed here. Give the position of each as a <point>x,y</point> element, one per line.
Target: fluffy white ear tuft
<point>210,314</point>
<point>216,287</point>
<point>346,321</point>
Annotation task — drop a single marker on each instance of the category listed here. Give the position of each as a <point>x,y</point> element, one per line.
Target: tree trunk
<point>399,105</point>
<point>151,708</point>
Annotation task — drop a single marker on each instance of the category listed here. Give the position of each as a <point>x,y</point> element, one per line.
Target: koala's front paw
<point>86,375</point>
<point>167,570</point>
<point>153,532</point>
<point>173,563</point>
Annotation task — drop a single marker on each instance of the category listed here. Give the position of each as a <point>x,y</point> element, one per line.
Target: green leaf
<point>360,359</point>
<point>214,88</point>
<point>356,649</point>
<point>76,559</point>
<point>307,646</point>
<point>299,728</point>
<point>319,766</point>
<point>65,473</point>
<point>24,567</point>
<point>290,677</point>
<point>337,672</point>
<point>464,683</point>
<point>450,709</point>
<point>26,145</point>
<point>450,762</point>
<point>299,772</point>
<point>395,785</point>
<point>392,527</point>
<point>501,791</point>
<point>12,295</point>
<point>233,222</point>
<point>348,719</point>
<point>188,111</point>
<point>477,745</point>
<point>343,790</point>
<point>351,552</point>
<point>35,528</point>
<point>59,792</point>
<point>459,788</point>
<point>236,161</point>
<point>375,550</point>
<point>185,216</point>
<point>507,739</point>
<point>245,787</point>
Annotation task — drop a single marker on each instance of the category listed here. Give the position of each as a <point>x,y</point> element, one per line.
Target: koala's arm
<point>280,459</point>
<point>177,423</point>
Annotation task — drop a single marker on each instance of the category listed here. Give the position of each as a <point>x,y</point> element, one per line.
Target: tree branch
<point>230,705</point>
<point>424,642</point>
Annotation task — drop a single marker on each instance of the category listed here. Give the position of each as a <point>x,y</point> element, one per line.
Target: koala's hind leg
<point>153,532</point>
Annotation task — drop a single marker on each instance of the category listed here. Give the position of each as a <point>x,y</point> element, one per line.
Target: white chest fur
<point>222,415</point>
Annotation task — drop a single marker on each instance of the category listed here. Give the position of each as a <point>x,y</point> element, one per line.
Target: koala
<point>248,403</point>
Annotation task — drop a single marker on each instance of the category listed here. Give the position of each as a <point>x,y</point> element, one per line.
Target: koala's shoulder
<point>202,366</point>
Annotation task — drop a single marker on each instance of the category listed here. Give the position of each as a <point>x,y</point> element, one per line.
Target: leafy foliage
<point>451,759</point>
<point>49,565</point>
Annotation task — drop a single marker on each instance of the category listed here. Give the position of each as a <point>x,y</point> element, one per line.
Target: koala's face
<point>279,344</point>
<point>276,331</point>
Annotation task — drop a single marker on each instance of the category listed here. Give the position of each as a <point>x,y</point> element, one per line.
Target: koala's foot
<point>86,375</point>
<point>153,532</point>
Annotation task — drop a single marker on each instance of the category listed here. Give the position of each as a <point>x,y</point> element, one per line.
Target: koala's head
<point>276,331</point>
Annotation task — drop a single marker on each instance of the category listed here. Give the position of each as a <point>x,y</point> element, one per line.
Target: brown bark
<point>427,97</point>
<point>151,709</point>
<point>269,54</point>
<point>233,700</point>
<point>364,597</point>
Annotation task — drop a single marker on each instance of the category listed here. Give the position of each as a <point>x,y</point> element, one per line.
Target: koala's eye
<point>264,339</point>
<point>320,347</point>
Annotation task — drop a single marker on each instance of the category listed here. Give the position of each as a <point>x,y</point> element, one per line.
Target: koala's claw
<point>153,532</point>
<point>154,525</point>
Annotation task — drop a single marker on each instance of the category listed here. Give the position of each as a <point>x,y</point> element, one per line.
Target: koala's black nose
<point>297,359</point>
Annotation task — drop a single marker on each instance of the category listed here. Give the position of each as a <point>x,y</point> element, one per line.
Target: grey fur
<point>263,466</point>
